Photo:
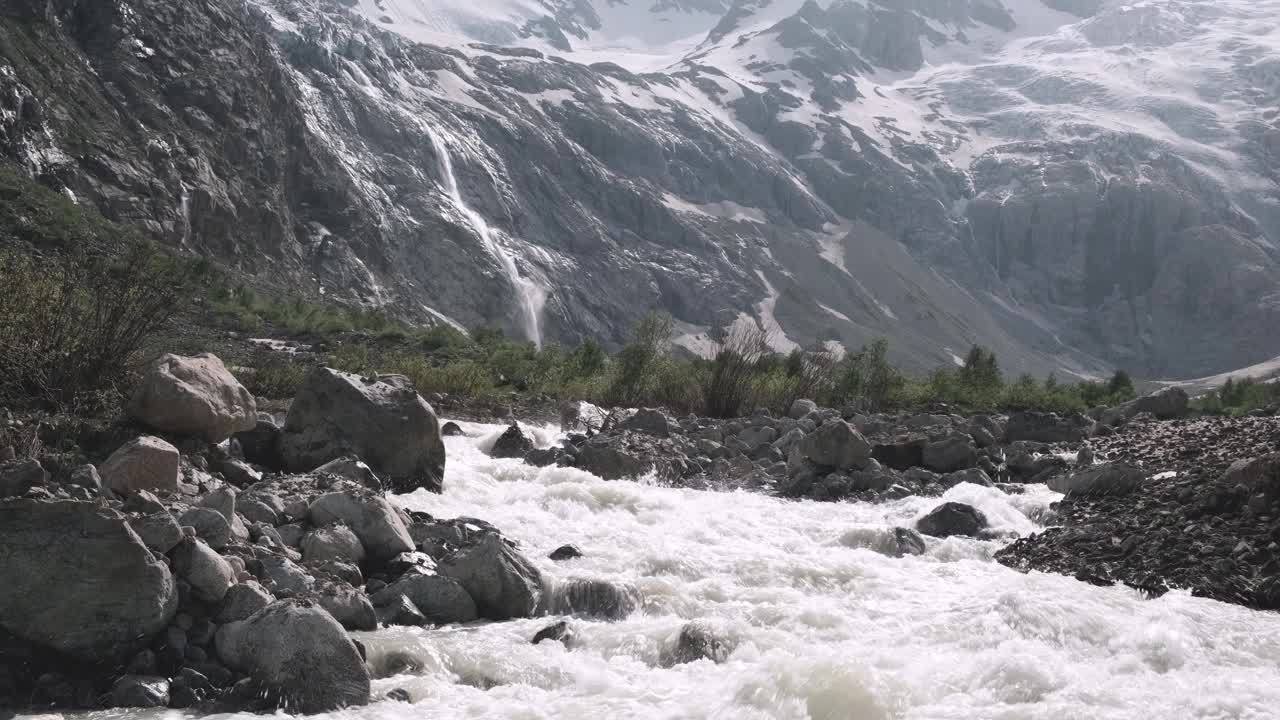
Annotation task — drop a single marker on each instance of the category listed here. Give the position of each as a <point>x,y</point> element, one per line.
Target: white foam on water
<point>825,626</point>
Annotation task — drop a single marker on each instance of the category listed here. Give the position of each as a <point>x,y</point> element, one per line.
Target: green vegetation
<point>1240,397</point>
<point>81,296</point>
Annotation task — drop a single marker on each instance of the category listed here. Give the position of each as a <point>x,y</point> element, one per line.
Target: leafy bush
<point>71,322</point>
<point>640,363</point>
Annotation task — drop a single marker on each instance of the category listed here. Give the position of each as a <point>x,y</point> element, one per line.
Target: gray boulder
<point>350,607</point>
<point>836,444</point>
<point>374,521</point>
<point>350,467</point>
<point>145,463</point>
<point>1047,427</point>
<point>263,508</point>
<point>209,575</point>
<point>502,582</point>
<point>1258,475</point>
<point>211,526</point>
<point>801,408</point>
<point>78,580</point>
<point>87,477</point>
<point>195,396</point>
<point>299,653</point>
<point>1100,479</point>
<point>1167,403</point>
<point>612,463</point>
<point>973,476</point>
<point>243,600</point>
<point>333,542</point>
<point>650,422</point>
<point>19,476</point>
<point>285,578</point>
<point>699,641</point>
<point>950,454</point>
<point>512,443</point>
<point>953,518</point>
<point>158,531</point>
<point>440,599</point>
<point>383,421</point>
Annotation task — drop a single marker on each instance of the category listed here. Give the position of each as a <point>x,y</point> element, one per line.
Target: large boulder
<point>953,518</point>
<point>902,452</point>
<point>374,521</point>
<point>801,408</point>
<point>78,580</point>
<point>595,598</point>
<point>1170,402</point>
<point>335,542</point>
<point>195,396</point>
<point>1101,479</point>
<point>1047,427</point>
<point>835,444</point>
<point>503,583</point>
<point>950,454</point>
<point>19,476</point>
<point>298,653</point>
<point>1257,475</point>
<point>145,463</point>
<point>441,600</point>
<point>650,422</point>
<point>383,421</point>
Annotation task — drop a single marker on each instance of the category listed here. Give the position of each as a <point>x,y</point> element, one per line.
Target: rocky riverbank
<point>218,561</point>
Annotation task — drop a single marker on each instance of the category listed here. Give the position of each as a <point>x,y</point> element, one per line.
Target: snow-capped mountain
<point>1078,184</point>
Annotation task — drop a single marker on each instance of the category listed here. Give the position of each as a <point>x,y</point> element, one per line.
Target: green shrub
<point>640,362</point>
<point>71,322</point>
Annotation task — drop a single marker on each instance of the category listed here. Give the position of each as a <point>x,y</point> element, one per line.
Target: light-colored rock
<point>158,531</point>
<point>211,526</point>
<point>383,421</point>
<point>209,575</point>
<point>195,396</point>
<point>300,653</point>
<point>145,463</point>
<point>78,580</point>
<point>835,444</point>
<point>441,600</point>
<point>381,530</point>
<point>243,600</point>
<point>334,542</point>
<point>502,582</point>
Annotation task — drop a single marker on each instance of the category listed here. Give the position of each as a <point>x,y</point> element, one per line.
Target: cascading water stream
<point>531,296</point>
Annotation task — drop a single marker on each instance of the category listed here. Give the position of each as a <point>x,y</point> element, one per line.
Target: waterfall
<point>529,294</point>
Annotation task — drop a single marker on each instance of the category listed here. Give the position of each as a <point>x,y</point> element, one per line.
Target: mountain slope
<point>1077,184</point>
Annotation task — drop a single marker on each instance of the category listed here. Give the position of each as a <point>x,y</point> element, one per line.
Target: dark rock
<point>19,476</point>
<point>211,526</point>
<point>441,599</point>
<point>565,552</point>
<point>1103,479</point>
<point>350,607</point>
<point>972,475</point>
<point>401,611</point>
<point>383,421</point>
<point>140,691</point>
<point>909,542</point>
<point>698,641</point>
<point>350,467</point>
<point>1047,427</point>
<point>835,444</point>
<point>953,518</point>
<point>650,422</point>
<point>158,531</point>
<point>950,454</point>
<point>451,429</point>
<point>556,632</point>
<point>243,600</point>
<point>261,445</point>
<point>512,443</point>
<point>543,457</point>
<point>902,453</point>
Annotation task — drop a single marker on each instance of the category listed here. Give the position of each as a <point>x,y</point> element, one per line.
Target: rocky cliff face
<point>1036,177</point>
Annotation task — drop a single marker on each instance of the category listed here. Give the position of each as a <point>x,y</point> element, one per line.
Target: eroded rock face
<point>383,421</point>
<point>195,396</point>
<point>78,580</point>
<point>300,654</point>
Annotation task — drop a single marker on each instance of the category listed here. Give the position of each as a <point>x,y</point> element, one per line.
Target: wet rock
<point>451,429</point>
<point>512,443</point>
<point>243,600</point>
<point>77,580</point>
<point>300,653</point>
<point>194,396</point>
<point>908,542</point>
<point>699,641</point>
<point>543,457</point>
<point>158,531</point>
<point>208,574</point>
<point>333,542</point>
<point>973,476</point>
<point>441,600</point>
<point>383,421</point>
<point>1102,479</point>
<point>565,552</point>
<point>502,582</point>
<point>189,688</point>
<point>835,445</point>
<point>611,463</point>
<point>139,691</point>
<point>374,521</point>
<point>950,454</point>
<point>19,476</point>
<point>595,598</point>
<point>556,632</point>
<point>953,518</point>
<point>400,611</point>
<point>145,463</point>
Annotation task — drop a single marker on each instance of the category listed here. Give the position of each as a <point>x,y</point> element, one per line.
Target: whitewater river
<point>826,628</point>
